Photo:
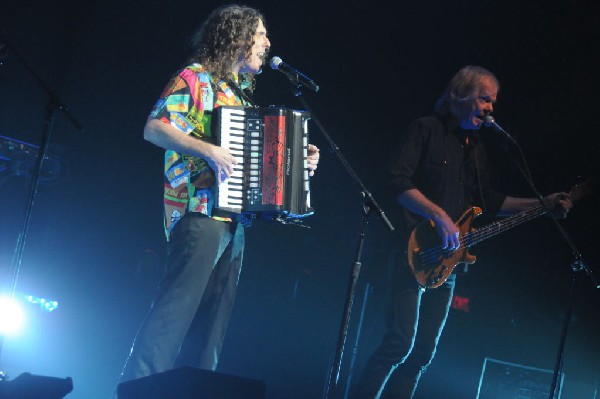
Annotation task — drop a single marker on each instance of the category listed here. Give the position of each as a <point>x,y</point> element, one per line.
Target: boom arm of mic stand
<point>527,175</point>
<point>367,194</point>
<point>53,100</point>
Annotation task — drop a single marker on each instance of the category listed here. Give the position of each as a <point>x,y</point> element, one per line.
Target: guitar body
<point>429,262</point>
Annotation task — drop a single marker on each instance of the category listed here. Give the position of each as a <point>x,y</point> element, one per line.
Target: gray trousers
<point>190,312</point>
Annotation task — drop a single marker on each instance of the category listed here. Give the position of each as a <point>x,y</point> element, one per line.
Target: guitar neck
<point>500,226</point>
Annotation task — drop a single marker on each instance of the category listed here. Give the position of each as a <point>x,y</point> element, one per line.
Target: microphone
<point>297,77</point>
<point>489,121</point>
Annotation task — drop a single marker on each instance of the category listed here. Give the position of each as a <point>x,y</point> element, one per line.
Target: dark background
<point>95,240</point>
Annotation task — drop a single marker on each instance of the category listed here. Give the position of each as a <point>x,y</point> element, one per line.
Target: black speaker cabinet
<point>191,383</point>
<point>503,380</point>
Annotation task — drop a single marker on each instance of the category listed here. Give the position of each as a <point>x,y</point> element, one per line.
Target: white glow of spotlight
<point>11,316</point>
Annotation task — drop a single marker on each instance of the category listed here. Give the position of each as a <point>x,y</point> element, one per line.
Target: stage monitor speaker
<point>502,380</point>
<point>191,383</point>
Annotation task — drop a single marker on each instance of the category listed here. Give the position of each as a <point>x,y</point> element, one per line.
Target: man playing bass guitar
<point>440,171</point>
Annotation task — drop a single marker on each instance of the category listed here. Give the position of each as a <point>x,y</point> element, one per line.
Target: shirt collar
<point>453,127</point>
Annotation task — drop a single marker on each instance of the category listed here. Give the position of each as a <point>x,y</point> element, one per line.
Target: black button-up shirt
<point>436,158</point>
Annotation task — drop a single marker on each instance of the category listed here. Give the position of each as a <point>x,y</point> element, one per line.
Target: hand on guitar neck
<point>560,204</point>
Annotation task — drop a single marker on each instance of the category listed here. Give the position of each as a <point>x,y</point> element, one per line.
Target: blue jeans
<point>416,318</point>
<point>192,306</point>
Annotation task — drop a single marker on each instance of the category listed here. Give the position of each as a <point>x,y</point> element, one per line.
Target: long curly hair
<point>462,89</point>
<point>227,32</point>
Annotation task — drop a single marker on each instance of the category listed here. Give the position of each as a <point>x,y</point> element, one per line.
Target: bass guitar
<point>431,264</point>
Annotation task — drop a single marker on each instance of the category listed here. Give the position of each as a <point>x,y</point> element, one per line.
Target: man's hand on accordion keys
<point>222,162</point>
<point>312,159</point>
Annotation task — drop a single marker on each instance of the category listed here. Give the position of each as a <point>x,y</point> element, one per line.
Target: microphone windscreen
<point>275,61</point>
<point>489,120</point>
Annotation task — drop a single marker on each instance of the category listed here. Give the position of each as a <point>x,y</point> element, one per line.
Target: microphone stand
<point>369,204</point>
<point>577,265</point>
<point>53,105</point>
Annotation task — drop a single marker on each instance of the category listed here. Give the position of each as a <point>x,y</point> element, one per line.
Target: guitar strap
<point>472,148</point>
<point>478,173</point>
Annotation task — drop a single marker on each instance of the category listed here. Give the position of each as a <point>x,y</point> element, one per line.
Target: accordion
<point>271,146</point>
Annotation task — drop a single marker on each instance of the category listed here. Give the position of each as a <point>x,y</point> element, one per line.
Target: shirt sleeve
<point>407,157</point>
<point>182,104</point>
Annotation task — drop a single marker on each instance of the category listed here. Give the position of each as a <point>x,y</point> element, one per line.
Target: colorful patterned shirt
<point>187,104</point>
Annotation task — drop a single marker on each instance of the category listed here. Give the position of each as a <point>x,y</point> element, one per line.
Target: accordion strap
<point>240,93</point>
